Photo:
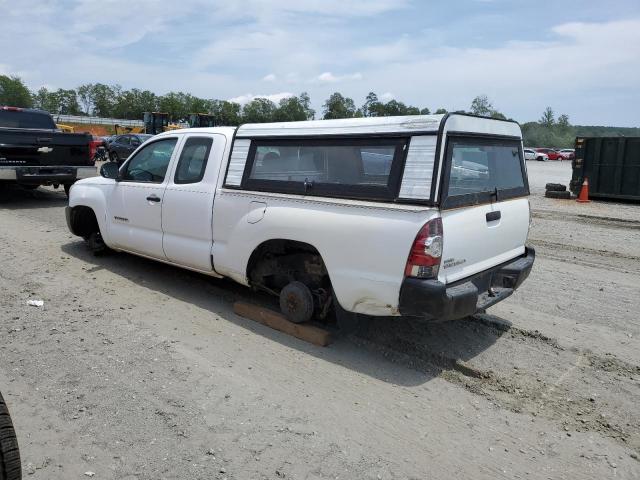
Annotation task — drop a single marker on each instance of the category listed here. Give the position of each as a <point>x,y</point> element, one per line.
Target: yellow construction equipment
<point>154,123</point>
<point>65,128</point>
<point>201,120</point>
<point>120,130</point>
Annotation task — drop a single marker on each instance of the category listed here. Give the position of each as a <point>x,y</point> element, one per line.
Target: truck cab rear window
<point>350,168</point>
<point>26,119</point>
<point>483,170</point>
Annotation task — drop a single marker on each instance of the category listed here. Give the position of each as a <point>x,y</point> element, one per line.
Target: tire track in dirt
<point>578,391</point>
<point>612,222</point>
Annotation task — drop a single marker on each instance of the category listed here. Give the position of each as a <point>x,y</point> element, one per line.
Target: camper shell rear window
<point>359,168</point>
<point>483,170</point>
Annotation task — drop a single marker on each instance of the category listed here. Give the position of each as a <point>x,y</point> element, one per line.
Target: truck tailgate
<point>23,147</point>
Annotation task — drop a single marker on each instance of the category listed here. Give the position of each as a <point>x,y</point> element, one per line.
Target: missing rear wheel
<point>296,302</point>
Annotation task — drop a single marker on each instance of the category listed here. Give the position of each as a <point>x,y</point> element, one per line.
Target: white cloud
<point>385,97</point>
<point>274,97</point>
<point>584,62</point>
<point>342,8</point>
<point>269,78</point>
<point>328,77</point>
<point>398,50</point>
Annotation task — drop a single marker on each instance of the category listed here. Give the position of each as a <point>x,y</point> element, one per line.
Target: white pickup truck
<point>421,216</point>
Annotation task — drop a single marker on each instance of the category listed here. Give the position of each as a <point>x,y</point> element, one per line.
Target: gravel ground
<point>137,370</point>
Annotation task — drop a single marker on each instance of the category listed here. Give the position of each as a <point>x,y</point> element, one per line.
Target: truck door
<point>187,210</point>
<point>135,208</point>
<point>485,212</point>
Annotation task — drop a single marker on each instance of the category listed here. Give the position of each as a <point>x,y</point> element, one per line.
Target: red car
<point>552,154</point>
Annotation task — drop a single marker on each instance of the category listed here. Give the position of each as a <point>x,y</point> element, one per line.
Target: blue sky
<point>580,57</point>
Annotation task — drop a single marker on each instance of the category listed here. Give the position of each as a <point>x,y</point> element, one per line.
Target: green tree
<point>425,111</point>
<point>176,104</point>
<point>394,108</point>
<point>226,113</point>
<point>67,102</point>
<point>305,101</point>
<point>293,109</point>
<point>563,121</point>
<point>371,106</point>
<point>14,93</point>
<point>337,106</point>
<point>548,117</point>
<point>197,105</point>
<point>482,106</point>
<point>85,96</point>
<point>258,110</point>
<point>104,99</point>
<point>441,111</point>
<point>46,100</point>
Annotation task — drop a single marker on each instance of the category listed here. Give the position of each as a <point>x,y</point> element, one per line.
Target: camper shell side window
<point>361,168</point>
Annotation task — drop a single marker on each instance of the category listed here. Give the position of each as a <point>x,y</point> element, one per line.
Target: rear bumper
<point>46,174</point>
<point>436,301</point>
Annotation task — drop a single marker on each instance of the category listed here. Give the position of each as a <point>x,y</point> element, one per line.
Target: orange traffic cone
<point>584,192</point>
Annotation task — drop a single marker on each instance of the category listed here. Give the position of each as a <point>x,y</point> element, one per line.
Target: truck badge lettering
<point>452,262</point>
<point>45,149</point>
<point>120,219</point>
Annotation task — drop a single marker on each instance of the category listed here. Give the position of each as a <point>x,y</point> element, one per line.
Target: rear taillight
<point>426,251</point>
<point>11,109</point>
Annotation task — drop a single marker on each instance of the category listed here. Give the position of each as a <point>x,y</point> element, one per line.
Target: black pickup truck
<point>34,152</point>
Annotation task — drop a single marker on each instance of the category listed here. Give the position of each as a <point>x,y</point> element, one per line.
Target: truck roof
<point>370,125</point>
<point>410,124</point>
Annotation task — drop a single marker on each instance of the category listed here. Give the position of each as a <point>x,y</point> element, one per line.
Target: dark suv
<point>121,146</point>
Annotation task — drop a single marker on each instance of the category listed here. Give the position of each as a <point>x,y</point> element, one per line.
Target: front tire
<point>95,244</point>
<point>10,468</point>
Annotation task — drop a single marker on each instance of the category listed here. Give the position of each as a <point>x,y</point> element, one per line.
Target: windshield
<point>25,119</point>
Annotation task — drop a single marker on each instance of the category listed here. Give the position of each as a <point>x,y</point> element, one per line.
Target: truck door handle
<point>153,198</point>
<point>493,216</point>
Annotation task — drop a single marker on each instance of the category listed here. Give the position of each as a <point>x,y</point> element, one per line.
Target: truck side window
<point>193,160</point>
<point>150,164</point>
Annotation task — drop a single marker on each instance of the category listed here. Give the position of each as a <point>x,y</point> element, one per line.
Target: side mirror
<point>110,170</point>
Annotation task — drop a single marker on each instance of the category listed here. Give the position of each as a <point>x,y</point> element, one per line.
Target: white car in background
<point>531,154</point>
<point>567,153</point>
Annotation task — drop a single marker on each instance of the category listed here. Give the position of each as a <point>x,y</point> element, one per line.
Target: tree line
<point>102,100</point>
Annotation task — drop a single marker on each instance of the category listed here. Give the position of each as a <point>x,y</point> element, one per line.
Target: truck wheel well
<point>83,221</point>
<point>276,263</point>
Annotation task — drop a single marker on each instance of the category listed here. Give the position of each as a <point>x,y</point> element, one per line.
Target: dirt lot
<point>137,370</point>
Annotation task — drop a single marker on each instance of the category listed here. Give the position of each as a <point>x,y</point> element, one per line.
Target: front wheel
<point>96,245</point>
<point>10,468</point>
